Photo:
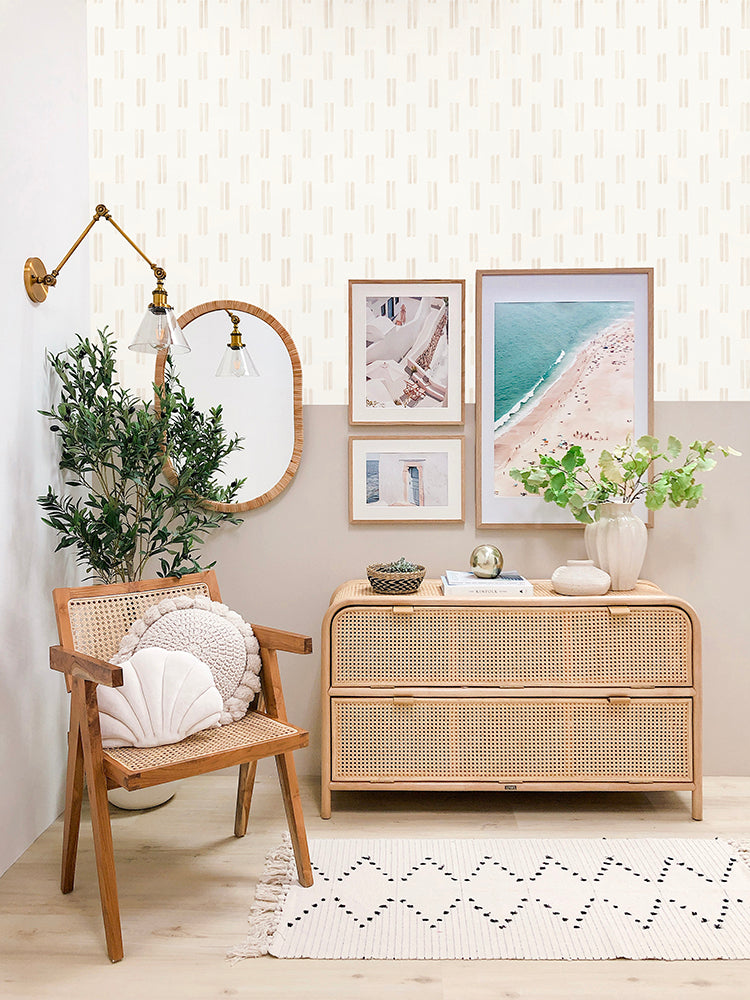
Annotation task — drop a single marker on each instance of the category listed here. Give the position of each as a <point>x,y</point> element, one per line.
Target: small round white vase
<point>616,542</point>
<point>142,798</point>
<point>580,578</point>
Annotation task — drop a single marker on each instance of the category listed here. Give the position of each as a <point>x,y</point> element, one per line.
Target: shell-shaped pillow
<point>165,696</point>
<point>211,632</point>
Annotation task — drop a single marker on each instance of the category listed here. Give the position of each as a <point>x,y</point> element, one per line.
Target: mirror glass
<point>265,411</point>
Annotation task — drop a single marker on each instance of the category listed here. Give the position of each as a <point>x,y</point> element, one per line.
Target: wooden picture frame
<point>406,352</point>
<point>406,480</point>
<point>563,357</point>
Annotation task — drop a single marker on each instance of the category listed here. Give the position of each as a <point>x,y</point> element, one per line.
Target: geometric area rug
<point>521,899</point>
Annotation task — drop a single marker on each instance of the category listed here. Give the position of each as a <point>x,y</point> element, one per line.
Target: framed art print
<point>394,480</point>
<point>406,352</point>
<point>563,358</point>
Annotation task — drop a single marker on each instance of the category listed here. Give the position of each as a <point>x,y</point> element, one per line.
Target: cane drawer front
<point>577,646</point>
<point>520,739</point>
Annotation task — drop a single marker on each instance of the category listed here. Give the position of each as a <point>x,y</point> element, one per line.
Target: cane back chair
<point>91,621</point>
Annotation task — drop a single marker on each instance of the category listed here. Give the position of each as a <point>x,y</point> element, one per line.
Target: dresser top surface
<point>431,592</point>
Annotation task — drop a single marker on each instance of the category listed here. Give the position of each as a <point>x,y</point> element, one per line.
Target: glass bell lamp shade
<point>159,330</point>
<point>236,361</point>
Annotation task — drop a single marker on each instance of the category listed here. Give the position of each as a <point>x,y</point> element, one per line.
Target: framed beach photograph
<point>406,480</point>
<point>563,358</point>
<point>406,352</point>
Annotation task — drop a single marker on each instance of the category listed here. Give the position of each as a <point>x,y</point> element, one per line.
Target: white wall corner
<point>45,180</point>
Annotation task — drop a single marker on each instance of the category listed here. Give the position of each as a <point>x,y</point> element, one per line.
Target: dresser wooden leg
<point>325,802</point>
<point>698,802</point>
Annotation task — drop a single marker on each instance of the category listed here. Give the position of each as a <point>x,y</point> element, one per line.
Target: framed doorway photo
<point>412,480</point>
<point>564,357</point>
<point>406,352</point>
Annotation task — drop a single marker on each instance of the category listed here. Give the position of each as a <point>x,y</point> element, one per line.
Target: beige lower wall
<point>281,566</point>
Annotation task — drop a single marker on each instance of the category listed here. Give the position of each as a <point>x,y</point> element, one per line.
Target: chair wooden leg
<point>274,697</point>
<point>293,806</point>
<point>102,829</point>
<point>73,799</point>
<point>244,797</point>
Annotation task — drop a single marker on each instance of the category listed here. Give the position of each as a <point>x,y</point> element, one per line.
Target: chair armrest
<point>74,664</point>
<point>287,642</point>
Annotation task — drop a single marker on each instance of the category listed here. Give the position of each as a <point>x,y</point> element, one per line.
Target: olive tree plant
<point>122,516</point>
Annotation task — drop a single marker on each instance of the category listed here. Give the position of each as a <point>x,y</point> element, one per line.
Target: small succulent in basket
<point>400,566</point>
<point>398,577</point>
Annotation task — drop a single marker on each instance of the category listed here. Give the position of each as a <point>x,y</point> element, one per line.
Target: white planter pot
<point>142,798</point>
<point>616,542</point>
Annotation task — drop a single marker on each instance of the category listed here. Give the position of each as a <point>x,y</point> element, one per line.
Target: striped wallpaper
<point>269,150</point>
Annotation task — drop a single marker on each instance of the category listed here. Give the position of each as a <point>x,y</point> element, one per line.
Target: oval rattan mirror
<point>266,411</point>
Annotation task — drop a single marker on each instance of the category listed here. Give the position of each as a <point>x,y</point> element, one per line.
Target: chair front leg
<point>73,798</point>
<point>295,820</point>
<point>244,796</point>
<point>102,828</point>
<point>274,698</point>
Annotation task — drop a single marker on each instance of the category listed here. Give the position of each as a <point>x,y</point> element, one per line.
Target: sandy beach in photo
<point>589,404</point>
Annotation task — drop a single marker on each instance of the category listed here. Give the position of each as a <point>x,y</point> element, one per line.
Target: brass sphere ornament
<point>486,561</point>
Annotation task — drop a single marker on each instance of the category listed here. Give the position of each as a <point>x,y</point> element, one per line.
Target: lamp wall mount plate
<point>33,273</point>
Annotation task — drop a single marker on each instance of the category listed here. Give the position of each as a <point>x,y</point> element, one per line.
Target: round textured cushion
<point>211,632</point>
<point>165,696</point>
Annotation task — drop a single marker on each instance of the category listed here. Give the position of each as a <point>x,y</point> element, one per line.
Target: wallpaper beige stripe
<point>269,150</point>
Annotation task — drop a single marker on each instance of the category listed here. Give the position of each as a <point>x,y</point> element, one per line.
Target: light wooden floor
<point>186,885</point>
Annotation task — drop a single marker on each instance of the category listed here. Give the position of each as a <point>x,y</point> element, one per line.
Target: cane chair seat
<point>132,767</point>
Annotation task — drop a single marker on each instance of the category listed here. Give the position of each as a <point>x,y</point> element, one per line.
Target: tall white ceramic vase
<point>617,543</point>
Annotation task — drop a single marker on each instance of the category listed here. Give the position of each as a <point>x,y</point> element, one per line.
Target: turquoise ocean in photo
<point>532,340</point>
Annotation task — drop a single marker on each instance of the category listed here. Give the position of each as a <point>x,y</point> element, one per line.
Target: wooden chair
<point>91,621</point>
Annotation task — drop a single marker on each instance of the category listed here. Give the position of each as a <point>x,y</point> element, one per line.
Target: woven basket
<point>383,582</point>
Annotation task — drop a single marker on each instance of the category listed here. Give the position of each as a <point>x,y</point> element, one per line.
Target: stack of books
<point>457,583</point>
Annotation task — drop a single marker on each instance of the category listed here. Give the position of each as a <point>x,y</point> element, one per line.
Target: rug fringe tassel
<point>742,847</point>
<point>278,874</point>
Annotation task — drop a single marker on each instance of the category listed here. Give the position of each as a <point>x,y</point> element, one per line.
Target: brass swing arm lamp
<point>235,335</point>
<point>236,360</point>
<point>159,329</point>
<point>38,281</point>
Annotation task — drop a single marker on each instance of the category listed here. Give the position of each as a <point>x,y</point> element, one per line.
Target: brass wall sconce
<point>236,360</point>
<point>159,329</point>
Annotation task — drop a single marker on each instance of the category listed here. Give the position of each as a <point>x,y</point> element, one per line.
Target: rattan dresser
<point>545,692</point>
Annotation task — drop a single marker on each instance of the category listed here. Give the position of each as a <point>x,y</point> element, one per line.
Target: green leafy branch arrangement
<point>623,475</point>
<point>112,447</point>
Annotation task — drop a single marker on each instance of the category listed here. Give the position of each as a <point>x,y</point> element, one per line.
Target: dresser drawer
<point>515,739</point>
<point>646,646</point>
